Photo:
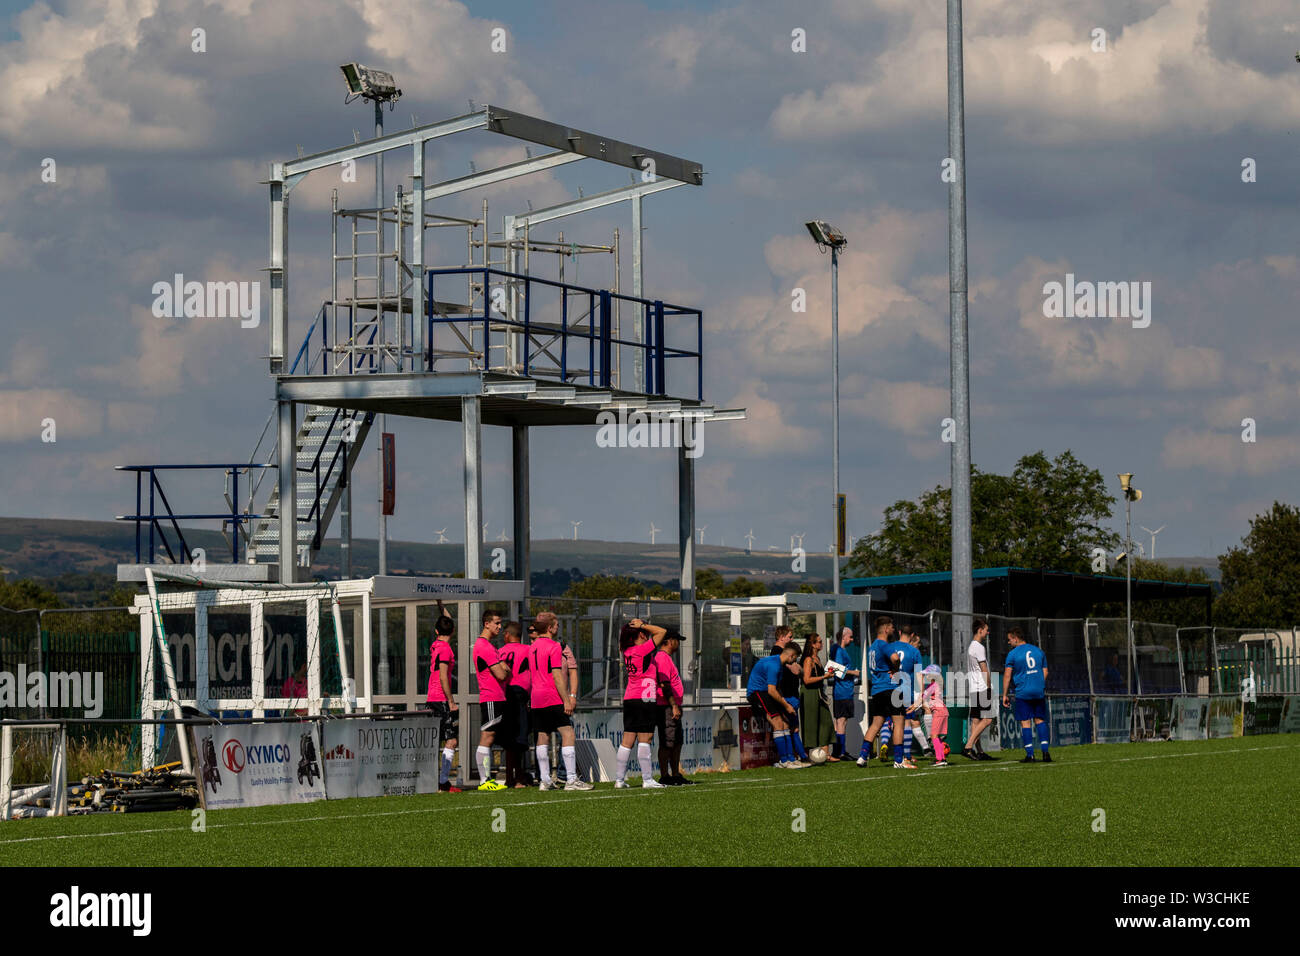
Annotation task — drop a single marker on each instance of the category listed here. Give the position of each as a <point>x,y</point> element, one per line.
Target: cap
<point>933,669</point>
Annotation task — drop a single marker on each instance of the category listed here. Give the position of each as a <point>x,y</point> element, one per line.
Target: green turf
<point>1216,802</point>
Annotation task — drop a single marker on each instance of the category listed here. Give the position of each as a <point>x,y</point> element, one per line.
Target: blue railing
<point>158,520</point>
<point>597,337</point>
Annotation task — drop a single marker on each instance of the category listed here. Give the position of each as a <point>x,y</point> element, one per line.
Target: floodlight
<point>370,84</point>
<point>824,234</point>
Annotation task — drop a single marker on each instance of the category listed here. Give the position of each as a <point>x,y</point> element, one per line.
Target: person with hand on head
<point>639,641</point>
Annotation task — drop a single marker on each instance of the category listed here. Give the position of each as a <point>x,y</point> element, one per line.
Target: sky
<point>1115,161</point>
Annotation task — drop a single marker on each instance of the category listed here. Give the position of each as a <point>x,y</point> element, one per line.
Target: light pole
<point>959,346</point>
<point>828,237</point>
<point>379,87</point>
<point>1131,495</point>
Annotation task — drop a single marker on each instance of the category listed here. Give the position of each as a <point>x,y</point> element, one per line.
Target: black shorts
<point>760,702</point>
<point>669,727</point>
<point>981,705</point>
<point>639,716</point>
<point>547,720</point>
<point>843,708</point>
<point>514,729</point>
<point>493,715</point>
<point>448,720</point>
<point>888,703</point>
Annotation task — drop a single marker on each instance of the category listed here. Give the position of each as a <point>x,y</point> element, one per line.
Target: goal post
<point>17,755</point>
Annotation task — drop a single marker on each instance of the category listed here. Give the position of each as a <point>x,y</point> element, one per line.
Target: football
<point>818,756</point>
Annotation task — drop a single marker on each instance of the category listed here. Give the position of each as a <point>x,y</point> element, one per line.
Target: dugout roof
<point>1020,592</point>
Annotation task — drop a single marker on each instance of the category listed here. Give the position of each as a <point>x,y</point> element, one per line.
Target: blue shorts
<point>1031,708</point>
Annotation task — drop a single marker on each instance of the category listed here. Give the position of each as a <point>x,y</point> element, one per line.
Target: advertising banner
<point>1114,719</point>
<point>1190,716</point>
<point>756,746</point>
<point>259,764</point>
<point>1263,715</point>
<point>376,758</point>
<point>1225,716</point>
<point>1153,718</point>
<point>710,737</point>
<point>1071,719</point>
<point>1290,721</point>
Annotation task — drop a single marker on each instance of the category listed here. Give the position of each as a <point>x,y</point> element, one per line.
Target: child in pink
<point>932,699</point>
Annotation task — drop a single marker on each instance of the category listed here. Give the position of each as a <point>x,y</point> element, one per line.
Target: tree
<point>1046,514</point>
<point>1261,579</point>
<point>1182,612</point>
<point>25,594</point>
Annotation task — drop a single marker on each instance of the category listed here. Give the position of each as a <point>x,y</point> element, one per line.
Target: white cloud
<point>1033,75</point>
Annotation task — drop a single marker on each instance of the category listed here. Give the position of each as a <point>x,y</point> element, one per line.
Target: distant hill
<point>47,548</point>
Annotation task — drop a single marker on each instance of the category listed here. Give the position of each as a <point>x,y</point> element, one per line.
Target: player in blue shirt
<point>883,660</point>
<point>842,691</point>
<point>1026,670</point>
<point>765,698</point>
<point>909,671</point>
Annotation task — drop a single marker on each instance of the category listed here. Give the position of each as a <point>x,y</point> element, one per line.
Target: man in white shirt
<point>982,709</point>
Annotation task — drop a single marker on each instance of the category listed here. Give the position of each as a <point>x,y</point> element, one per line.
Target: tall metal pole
<point>835,419</point>
<point>962,586</point>
<point>1128,582</point>
<point>383,419</point>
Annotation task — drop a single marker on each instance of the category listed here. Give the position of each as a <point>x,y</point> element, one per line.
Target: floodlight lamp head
<point>826,235</point>
<point>370,84</point>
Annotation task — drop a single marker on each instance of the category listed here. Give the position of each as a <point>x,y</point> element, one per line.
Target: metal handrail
<point>155,519</point>
<point>599,336</point>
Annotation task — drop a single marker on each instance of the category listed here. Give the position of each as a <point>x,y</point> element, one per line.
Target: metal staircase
<point>319,448</point>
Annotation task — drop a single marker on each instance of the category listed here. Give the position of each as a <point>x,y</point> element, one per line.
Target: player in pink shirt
<point>932,699</point>
<point>640,642</point>
<point>441,700</point>
<point>553,701</point>
<point>493,672</point>
<point>513,732</point>
<point>668,700</point>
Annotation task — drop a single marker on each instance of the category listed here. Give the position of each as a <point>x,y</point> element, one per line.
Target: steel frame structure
<point>406,383</point>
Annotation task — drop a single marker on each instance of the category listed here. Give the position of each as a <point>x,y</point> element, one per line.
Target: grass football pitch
<point>1203,803</point>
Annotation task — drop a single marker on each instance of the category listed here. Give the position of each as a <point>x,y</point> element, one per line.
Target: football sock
<point>445,771</point>
<point>624,754</point>
<point>907,745</point>
<point>643,758</point>
<point>782,741</point>
<point>570,756</point>
<point>919,734</point>
<point>841,746</point>
<point>1043,734</point>
<point>1027,735</point>
<point>484,755</point>
<point>798,746</point>
<point>939,749</point>
<point>544,762</point>
<point>886,733</point>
